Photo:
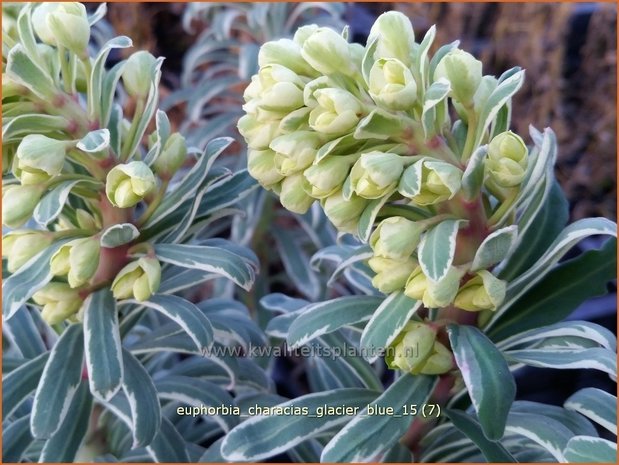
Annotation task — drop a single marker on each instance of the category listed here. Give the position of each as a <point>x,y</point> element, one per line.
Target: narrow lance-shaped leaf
<point>59,382</point>
<point>185,314</point>
<point>261,437</point>
<point>598,405</point>
<point>437,249</point>
<point>143,402</point>
<point>590,450</point>
<point>210,259</point>
<point>20,383</point>
<point>16,439</point>
<point>102,343</point>
<point>487,377</point>
<point>64,444</point>
<point>326,317</point>
<point>386,323</point>
<point>368,435</point>
<point>493,451</point>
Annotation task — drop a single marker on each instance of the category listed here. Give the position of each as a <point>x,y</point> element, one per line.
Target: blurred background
<point>567,49</point>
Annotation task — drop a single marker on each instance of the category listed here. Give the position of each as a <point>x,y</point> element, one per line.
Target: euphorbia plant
<point>462,227</point>
<point>108,221</point>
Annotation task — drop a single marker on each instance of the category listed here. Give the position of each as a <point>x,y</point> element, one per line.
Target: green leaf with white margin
<point>503,92</point>
<point>296,263</point>
<point>386,323</point>
<point>162,132</point>
<point>22,125</point>
<point>576,423</point>
<point>495,248</point>
<point>368,59</point>
<point>185,314</point>
<point>26,72</point>
<point>473,177</point>
<point>597,405</point>
<point>143,402</point>
<point>210,259</point>
<point>569,237</point>
<point>326,317</point>
<point>437,249</point>
<point>549,433</point>
<point>102,344</point>
<point>580,329</point>
<point>62,447</point>
<point>435,94</point>
<point>567,359</point>
<point>53,202</point>
<point>119,234</point>
<point>31,277</point>
<point>95,141</point>
<point>280,325</point>
<point>486,375</point>
<point>59,382</point>
<point>196,392</point>
<point>96,77</point>
<point>168,446</point>
<point>20,383</point>
<point>380,125</point>
<point>421,58</point>
<point>367,436</point>
<point>492,450</point>
<point>16,439</point>
<point>261,437</point>
<point>191,182</point>
<point>108,106</point>
<point>98,15</point>
<point>560,292</point>
<point>440,53</point>
<point>368,217</point>
<point>24,334</point>
<point>586,449</point>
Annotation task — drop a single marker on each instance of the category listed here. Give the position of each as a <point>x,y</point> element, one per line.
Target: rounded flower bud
<point>483,292</point>
<point>463,71</point>
<point>344,214</point>
<point>78,259</point>
<point>86,220</point>
<point>293,196</point>
<point>433,294</point>
<point>328,52</point>
<point>281,90</point>
<point>18,203</point>
<point>127,184</point>
<point>261,166</point>
<point>287,53</point>
<point>414,346</point>
<point>39,22</point>
<point>440,361</point>
<point>507,159</point>
<point>20,246</point>
<point>429,182</point>
<point>69,25</point>
<point>139,279</point>
<point>327,176</point>
<point>295,151</point>
<point>138,74</point>
<point>376,174</point>
<point>337,113</point>
<point>172,156</point>
<point>396,237</point>
<point>59,302</point>
<point>41,156</point>
<point>391,275</point>
<point>395,36</point>
<point>392,84</point>
<point>258,135</point>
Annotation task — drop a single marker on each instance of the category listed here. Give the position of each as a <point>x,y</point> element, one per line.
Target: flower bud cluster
<point>367,131</point>
<point>73,158</point>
